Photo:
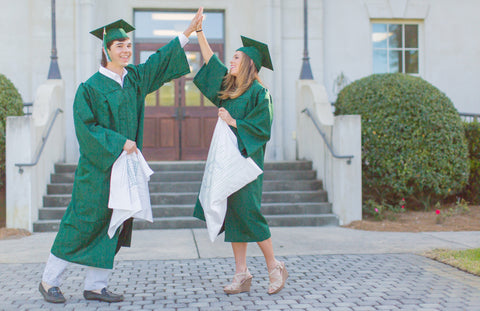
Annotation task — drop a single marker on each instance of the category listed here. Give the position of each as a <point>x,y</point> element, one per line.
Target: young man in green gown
<point>108,113</point>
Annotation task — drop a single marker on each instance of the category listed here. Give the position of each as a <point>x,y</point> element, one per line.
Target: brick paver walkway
<point>321,282</point>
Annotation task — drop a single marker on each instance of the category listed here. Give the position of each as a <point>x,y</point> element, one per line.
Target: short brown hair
<point>104,61</point>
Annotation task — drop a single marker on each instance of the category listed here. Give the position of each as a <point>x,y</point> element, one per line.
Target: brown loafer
<point>53,295</point>
<point>106,296</point>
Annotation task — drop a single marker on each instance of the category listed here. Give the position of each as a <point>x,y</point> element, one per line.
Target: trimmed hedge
<point>413,142</point>
<point>471,193</point>
<point>11,104</point>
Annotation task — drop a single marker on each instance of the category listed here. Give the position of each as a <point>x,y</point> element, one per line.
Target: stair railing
<point>469,117</point>
<point>44,141</point>
<point>348,157</point>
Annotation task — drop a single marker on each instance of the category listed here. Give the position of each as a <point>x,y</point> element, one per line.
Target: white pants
<point>95,278</point>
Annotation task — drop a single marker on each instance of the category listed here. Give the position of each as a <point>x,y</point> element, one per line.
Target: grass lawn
<point>467,260</point>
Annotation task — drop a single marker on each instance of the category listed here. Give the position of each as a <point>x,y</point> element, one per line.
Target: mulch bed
<point>8,233</point>
<point>414,221</point>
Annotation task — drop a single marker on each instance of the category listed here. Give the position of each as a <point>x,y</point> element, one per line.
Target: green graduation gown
<point>105,116</point>
<point>253,113</point>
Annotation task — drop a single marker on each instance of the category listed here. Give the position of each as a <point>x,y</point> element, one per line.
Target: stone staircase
<point>291,196</point>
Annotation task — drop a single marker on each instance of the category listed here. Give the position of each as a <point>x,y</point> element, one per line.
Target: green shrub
<point>471,193</point>
<point>413,142</point>
<point>11,104</point>
<point>381,211</point>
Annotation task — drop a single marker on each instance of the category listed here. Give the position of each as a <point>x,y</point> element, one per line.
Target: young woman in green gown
<point>246,106</point>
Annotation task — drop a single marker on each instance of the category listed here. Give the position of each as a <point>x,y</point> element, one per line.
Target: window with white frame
<point>395,48</point>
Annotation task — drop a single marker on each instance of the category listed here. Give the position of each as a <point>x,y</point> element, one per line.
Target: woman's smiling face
<point>235,63</point>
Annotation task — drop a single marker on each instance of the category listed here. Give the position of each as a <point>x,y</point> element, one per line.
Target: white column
<point>19,202</point>
<point>278,100</point>
<point>347,178</point>
<point>24,138</point>
<point>86,59</point>
<point>86,64</point>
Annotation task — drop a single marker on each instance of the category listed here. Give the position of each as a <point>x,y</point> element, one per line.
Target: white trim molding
<point>411,9</point>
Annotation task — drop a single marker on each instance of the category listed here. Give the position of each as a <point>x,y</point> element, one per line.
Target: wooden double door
<point>179,120</point>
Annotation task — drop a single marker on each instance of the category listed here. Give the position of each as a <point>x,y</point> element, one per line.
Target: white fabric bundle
<point>226,172</point>
<point>129,194</point>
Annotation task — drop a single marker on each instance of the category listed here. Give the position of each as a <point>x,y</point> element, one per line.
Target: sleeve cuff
<point>183,39</point>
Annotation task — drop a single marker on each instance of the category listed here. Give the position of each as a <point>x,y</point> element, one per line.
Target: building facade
<point>348,39</point>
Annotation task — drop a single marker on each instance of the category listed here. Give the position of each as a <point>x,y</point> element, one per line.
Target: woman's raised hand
<point>195,24</point>
<point>200,21</point>
<point>205,48</point>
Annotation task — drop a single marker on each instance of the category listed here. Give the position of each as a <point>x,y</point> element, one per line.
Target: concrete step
<point>62,200</point>
<point>169,176</point>
<point>190,222</point>
<point>197,166</point>
<point>296,208</point>
<point>297,185</point>
<point>268,185</point>
<point>273,221</point>
<point>155,166</point>
<point>177,210</point>
<point>46,225</point>
<point>302,220</point>
<point>194,186</point>
<point>189,176</point>
<point>162,187</point>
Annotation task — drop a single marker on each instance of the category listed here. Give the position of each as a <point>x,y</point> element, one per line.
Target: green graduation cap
<point>112,31</point>
<point>258,52</point>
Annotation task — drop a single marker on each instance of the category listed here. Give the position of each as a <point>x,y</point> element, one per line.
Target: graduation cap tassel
<point>105,44</point>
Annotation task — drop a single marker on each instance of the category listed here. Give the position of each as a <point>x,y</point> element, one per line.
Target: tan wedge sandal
<point>278,276</point>
<point>241,283</point>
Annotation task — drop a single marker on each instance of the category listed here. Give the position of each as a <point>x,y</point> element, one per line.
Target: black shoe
<point>106,296</point>
<point>53,295</point>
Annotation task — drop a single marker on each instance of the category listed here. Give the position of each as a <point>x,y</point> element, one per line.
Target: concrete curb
<point>194,243</point>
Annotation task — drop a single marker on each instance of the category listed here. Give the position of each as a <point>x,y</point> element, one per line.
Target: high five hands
<point>195,24</point>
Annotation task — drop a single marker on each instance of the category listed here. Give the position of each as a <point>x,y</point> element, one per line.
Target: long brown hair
<point>104,61</point>
<point>234,86</point>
